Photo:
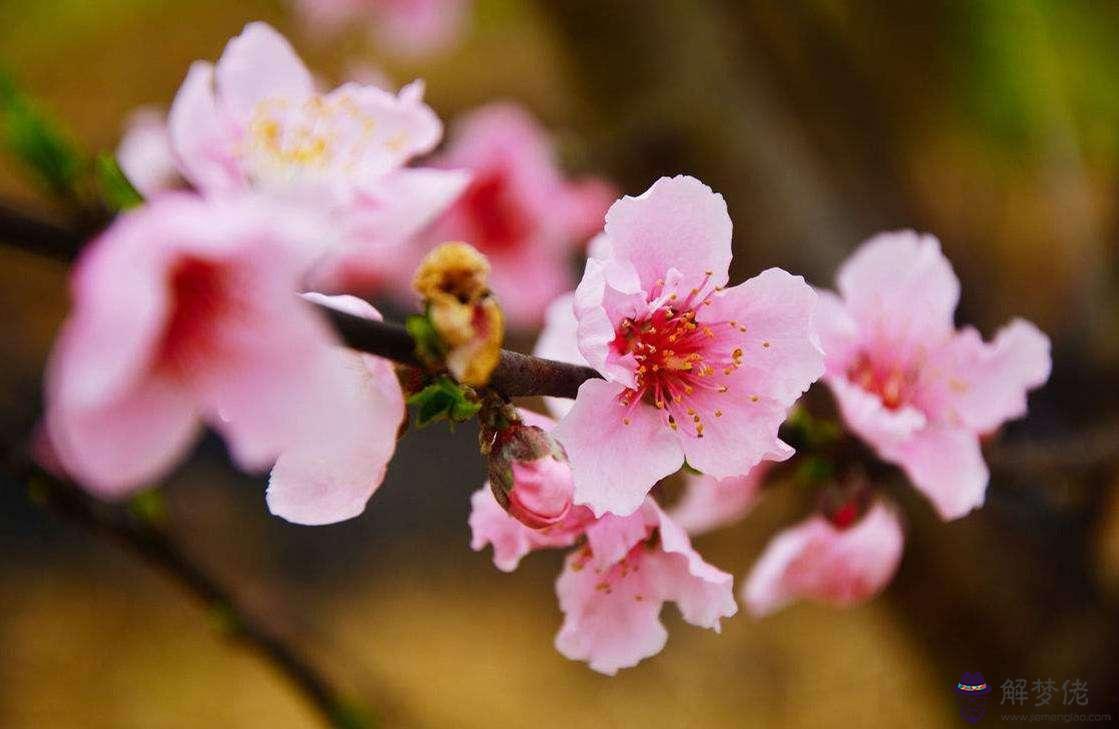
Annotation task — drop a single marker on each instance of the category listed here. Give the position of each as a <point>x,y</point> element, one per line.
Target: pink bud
<point>541,493</point>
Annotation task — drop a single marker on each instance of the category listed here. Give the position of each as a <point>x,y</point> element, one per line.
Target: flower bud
<point>453,281</point>
<point>530,476</point>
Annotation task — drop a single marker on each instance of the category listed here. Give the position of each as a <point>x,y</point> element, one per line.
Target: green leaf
<point>116,191</point>
<point>35,139</point>
<point>429,348</point>
<point>443,399</point>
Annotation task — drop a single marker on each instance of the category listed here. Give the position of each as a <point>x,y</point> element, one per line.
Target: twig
<point>154,546</point>
<point>517,375</point>
<point>38,236</point>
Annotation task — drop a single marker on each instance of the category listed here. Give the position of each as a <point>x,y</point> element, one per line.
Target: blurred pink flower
<point>709,503</point>
<point>613,587</point>
<point>145,155</point>
<point>329,477</point>
<point>836,563</point>
<point>519,210</point>
<point>184,313</point>
<point>693,370</point>
<point>405,27</point>
<point>255,121</point>
<point>916,389</point>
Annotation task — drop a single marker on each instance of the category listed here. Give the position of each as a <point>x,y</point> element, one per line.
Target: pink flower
<point>145,155</point>
<point>613,587</point>
<point>329,476</point>
<point>519,210</point>
<point>693,370</point>
<point>708,504</point>
<point>839,564</point>
<point>255,121</point>
<point>916,389</point>
<point>184,313</point>
<point>406,27</point>
<point>612,600</point>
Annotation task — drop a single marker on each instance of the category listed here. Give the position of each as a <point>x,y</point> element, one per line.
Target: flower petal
<point>331,474</point>
<point>614,464</point>
<point>203,140</point>
<point>946,465</point>
<point>709,503</point>
<point>782,353</point>
<point>610,628</point>
<point>559,341</point>
<point>127,442</point>
<point>677,223</point>
<point>817,561</point>
<point>901,288</point>
<point>256,65</point>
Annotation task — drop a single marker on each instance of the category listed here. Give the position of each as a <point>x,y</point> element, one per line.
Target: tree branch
<point>517,375</point>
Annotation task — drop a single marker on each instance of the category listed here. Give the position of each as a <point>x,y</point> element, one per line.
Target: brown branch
<point>517,375</point>
<point>149,542</point>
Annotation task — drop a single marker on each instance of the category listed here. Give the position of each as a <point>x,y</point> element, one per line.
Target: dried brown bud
<point>453,281</point>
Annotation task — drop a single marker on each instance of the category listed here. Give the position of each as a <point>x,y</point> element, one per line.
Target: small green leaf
<point>116,191</point>
<point>443,399</point>
<point>429,348</point>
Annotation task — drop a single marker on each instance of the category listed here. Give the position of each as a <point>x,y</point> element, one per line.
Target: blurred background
<point>992,123</point>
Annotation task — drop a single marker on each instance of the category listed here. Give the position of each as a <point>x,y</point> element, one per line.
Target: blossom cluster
<point>266,195</point>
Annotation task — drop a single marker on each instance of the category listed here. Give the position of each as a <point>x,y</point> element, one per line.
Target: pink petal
<point>901,288</point>
<point>817,561</point>
<point>512,540</point>
<point>986,384</point>
<point>584,207</point>
<point>403,126</point>
<point>838,332</point>
<point>380,221</point>
<point>742,437</point>
<point>946,465</point>
<point>703,593</point>
<point>677,223</point>
<point>866,415</point>
<point>331,474</point>
<point>257,65</point>
<point>203,140</point>
<point>614,464</point>
<point>145,155</point>
<point>610,628</point>
<point>526,282</point>
<point>612,537</point>
<point>708,503</point>
<point>782,353</point>
<point>608,293</point>
<point>559,341</point>
<point>126,443</point>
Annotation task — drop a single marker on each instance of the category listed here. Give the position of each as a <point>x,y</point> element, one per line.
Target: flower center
<point>199,296</point>
<point>498,220</point>
<point>891,383</point>
<point>291,139</point>
<point>680,360</point>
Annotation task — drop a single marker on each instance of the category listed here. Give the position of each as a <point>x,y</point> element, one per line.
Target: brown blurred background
<point>992,123</point>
